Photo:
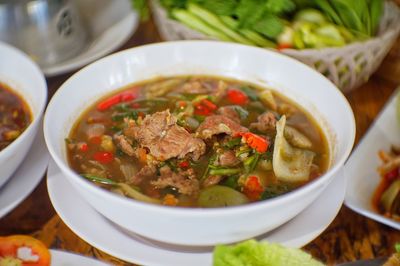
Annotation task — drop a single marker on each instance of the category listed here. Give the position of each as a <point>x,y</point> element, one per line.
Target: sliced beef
<point>228,158</point>
<point>147,171</point>
<point>185,181</point>
<point>160,134</point>
<point>218,124</point>
<point>265,122</point>
<point>124,144</point>
<point>230,112</point>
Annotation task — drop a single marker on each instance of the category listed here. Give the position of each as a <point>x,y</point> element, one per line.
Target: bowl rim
<point>197,212</point>
<point>36,116</point>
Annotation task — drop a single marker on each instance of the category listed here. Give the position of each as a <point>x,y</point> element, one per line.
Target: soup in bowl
<point>199,143</point>
<point>15,116</point>
<point>23,95</point>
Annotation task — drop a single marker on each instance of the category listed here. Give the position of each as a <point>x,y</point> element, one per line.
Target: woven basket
<point>348,67</point>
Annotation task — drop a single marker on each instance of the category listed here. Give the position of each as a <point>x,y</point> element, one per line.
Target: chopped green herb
<point>243,113</point>
<point>211,161</point>
<point>123,107</point>
<point>272,191</point>
<point>132,114</point>
<point>251,162</point>
<point>100,180</point>
<point>251,93</point>
<point>172,164</point>
<point>232,181</point>
<point>199,118</point>
<point>232,143</point>
<point>119,152</point>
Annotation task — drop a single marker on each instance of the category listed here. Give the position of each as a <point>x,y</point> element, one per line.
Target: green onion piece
<point>209,165</point>
<point>198,24</point>
<point>213,20</point>
<point>251,162</point>
<point>100,180</point>
<point>232,181</point>
<point>225,171</point>
<point>243,113</point>
<point>233,143</point>
<point>252,94</point>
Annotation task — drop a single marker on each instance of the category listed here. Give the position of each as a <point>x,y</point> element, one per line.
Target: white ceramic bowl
<point>361,168</point>
<point>25,78</point>
<point>200,226</point>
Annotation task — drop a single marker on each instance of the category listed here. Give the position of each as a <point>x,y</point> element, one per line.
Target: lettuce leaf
<point>253,253</point>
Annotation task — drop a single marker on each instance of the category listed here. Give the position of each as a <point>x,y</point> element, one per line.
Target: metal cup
<point>50,31</point>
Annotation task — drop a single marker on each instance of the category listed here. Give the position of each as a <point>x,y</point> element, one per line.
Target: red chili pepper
<point>184,164</point>
<point>283,46</point>
<point>256,142</point>
<point>103,157</point>
<point>209,104</point>
<point>116,99</point>
<point>237,97</point>
<point>253,188</point>
<point>392,175</point>
<point>200,109</point>
<point>182,104</point>
<point>205,107</point>
<point>83,147</point>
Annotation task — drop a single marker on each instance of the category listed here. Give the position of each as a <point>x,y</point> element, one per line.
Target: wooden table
<point>349,237</point>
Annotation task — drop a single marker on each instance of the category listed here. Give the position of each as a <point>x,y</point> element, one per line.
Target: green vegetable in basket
<point>262,253</point>
<point>198,24</point>
<point>361,16</point>
<point>311,29</point>
<point>310,15</point>
<point>284,23</point>
<point>255,21</point>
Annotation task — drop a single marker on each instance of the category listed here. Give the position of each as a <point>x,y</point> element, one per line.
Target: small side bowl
<point>24,77</point>
<point>189,226</point>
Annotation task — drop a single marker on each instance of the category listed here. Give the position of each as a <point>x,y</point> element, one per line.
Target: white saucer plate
<point>106,236</point>
<point>361,168</point>
<point>100,45</point>
<point>27,176</point>
<point>62,258</point>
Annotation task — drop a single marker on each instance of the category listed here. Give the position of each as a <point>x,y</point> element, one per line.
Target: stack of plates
<point>136,249</point>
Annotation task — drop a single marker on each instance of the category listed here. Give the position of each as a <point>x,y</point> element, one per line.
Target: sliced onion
<point>128,170</point>
<point>95,130</point>
<point>134,194</point>
<point>290,164</point>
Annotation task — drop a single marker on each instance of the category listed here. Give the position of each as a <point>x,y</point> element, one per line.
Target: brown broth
<point>82,148</point>
<point>15,116</point>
